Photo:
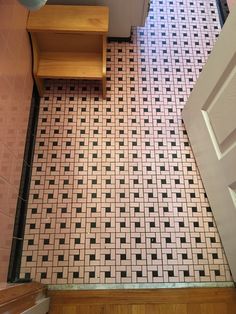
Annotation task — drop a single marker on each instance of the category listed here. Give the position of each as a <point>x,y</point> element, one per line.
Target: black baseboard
<point>21,210</point>
<point>120,39</point>
<point>223,10</point>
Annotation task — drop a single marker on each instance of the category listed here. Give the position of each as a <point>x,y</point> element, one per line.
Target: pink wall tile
<point>6,227</point>
<point>231,3</point>
<point>4,261</point>
<point>15,96</point>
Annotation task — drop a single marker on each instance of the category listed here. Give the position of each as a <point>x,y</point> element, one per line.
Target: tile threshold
<point>225,284</point>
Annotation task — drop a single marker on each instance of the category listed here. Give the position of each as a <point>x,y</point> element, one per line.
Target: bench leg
<point>40,85</point>
<point>104,87</point>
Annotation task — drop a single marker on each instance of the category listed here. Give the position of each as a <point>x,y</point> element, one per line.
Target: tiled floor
<point>116,196</point>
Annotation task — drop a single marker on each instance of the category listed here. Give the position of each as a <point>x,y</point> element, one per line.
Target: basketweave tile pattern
<point>116,196</point>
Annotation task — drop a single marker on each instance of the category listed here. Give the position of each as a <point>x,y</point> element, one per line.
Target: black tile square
<point>123,274</point>
<point>60,275</point>
<point>92,274</point>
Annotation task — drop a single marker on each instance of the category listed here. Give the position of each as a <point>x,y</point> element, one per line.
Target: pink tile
<point>4,261</point>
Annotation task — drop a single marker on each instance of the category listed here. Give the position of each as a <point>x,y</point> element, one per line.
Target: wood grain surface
<point>158,301</point>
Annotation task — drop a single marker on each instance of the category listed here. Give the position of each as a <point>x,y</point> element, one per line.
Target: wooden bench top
<point>69,19</point>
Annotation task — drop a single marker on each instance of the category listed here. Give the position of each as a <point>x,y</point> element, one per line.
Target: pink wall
<point>15,96</point>
<point>231,3</point>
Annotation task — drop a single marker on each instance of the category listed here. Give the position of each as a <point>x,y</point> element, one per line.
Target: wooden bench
<point>69,42</point>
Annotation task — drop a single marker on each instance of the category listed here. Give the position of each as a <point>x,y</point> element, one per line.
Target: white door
<point>210,120</point>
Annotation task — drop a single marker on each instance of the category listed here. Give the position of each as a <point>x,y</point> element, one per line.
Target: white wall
<point>123,13</point>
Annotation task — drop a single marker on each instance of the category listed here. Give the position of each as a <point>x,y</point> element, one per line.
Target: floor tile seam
<point>142,174</point>
<point>141,286</point>
<point>161,248</point>
<point>62,115</point>
<point>183,84</point>
<point>86,202</point>
<point>128,205</point>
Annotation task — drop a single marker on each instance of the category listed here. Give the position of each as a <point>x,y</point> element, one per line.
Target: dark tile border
<point>222,10</point>
<point>120,39</point>
<point>21,209</point>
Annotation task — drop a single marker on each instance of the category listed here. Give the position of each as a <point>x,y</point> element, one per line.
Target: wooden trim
<point>104,65</point>
<point>152,296</point>
<point>66,65</point>
<point>35,53</point>
<point>42,306</point>
<point>36,58</point>
<point>17,298</point>
<point>69,19</point>
<point>15,292</point>
<point>104,55</point>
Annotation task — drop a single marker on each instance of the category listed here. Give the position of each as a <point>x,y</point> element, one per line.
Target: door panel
<point>210,119</point>
<point>223,121</point>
